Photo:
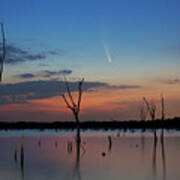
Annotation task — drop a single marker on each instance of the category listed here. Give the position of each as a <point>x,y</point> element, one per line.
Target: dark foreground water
<point>112,155</point>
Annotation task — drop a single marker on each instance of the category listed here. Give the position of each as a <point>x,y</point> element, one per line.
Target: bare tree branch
<point>3,42</point>
<point>80,95</point>
<point>65,100</point>
<point>2,58</point>
<point>75,107</point>
<point>69,92</point>
<point>147,103</point>
<point>162,107</point>
<point>143,111</point>
<point>151,108</point>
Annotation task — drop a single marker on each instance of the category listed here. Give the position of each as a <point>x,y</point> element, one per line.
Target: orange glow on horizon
<point>98,102</point>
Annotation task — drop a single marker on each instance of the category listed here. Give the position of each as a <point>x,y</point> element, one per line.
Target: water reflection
<point>22,158</point>
<point>118,134</point>
<point>110,143</point>
<point>163,155</point>
<point>76,171</point>
<point>56,144</point>
<point>39,143</point>
<point>132,157</point>
<point>15,155</point>
<point>142,142</point>
<point>154,166</point>
<point>69,147</point>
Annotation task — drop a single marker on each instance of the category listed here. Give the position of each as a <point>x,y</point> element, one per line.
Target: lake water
<point>110,155</point>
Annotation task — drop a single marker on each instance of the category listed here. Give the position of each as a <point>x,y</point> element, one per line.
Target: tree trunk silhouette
<point>3,50</point>
<point>74,106</point>
<point>152,112</point>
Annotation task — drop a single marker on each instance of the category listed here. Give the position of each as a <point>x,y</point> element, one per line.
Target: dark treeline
<point>158,124</point>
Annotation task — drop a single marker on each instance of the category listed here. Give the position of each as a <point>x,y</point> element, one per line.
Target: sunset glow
<point>139,57</point>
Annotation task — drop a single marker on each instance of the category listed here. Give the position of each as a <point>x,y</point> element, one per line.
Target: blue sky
<point>142,37</point>
<point>136,32</point>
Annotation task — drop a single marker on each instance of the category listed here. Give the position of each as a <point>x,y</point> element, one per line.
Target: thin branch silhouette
<point>162,113</point>
<point>151,108</point>
<point>162,108</point>
<point>74,106</point>
<point>152,112</point>
<point>3,49</point>
<point>143,111</point>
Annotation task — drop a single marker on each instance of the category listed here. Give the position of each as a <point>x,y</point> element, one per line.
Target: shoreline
<point>134,124</point>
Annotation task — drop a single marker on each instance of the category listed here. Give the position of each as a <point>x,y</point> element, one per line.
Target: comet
<point>108,55</point>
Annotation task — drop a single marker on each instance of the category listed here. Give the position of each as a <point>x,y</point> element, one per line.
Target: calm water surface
<point>111,155</point>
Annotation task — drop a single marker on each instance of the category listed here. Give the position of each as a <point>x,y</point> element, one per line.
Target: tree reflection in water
<point>154,165</point>
<point>22,158</point>
<point>76,170</point>
<point>163,156</point>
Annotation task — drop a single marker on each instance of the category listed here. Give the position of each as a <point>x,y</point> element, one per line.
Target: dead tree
<point>152,112</point>
<point>3,49</point>
<point>72,105</point>
<point>151,108</point>
<point>162,115</point>
<point>162,108</point>
<point>143,111</point>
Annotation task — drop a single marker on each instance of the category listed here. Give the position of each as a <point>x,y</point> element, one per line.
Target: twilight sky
<point>125,49</point>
